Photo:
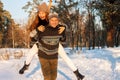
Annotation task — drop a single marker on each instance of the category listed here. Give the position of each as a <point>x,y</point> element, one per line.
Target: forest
<point>89,23</point>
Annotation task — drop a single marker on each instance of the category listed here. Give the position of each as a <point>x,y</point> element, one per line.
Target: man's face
<point>53,22</point>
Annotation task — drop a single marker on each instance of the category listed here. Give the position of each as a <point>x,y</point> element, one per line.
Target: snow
<point>97,64</point>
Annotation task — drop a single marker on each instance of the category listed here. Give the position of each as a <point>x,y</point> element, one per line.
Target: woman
<point>39,24</point>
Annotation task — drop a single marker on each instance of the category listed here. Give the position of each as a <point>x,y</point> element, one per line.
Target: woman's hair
<point>36,21</point>
<point>42,7</point>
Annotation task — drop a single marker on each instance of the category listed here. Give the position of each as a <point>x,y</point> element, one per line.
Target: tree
<point>5,27</point>
<point>1,23</point>
<point>69,14</point>
<point>109,11</point>
<point>90,24</point>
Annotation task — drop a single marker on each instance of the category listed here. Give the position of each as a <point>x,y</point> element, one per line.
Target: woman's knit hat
<point>43,7</point>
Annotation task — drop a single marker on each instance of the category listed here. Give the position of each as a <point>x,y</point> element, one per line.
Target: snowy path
<point>102,64</point>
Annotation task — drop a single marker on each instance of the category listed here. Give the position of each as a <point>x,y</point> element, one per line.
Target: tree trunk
<point>110,37</point>
<point>117,39</point>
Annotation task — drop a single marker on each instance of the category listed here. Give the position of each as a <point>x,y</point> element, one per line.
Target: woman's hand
<point>41,28</point>
<point>61,29</point>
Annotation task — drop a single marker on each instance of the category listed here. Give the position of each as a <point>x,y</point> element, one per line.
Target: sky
<point>16,11</point>
<point>15,8</point>
<point>97,64</point>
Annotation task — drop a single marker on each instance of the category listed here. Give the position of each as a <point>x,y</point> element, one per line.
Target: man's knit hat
<point>51,15</point>
<point>43,7</point>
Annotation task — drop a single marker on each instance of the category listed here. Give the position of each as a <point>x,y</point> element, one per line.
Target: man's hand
<point>41,28</point>
<point>61,29</point>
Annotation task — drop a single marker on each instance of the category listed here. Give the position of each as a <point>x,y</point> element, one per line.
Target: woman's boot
<point>78,75</point>
<point>25,67</point>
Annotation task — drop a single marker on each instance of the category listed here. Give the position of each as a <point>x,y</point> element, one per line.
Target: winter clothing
<point>49,42</point>
<point>65,57</point>
<point>42,22</point>
<point>25,67</point>
<point>32,52</point>
<point>78,75</point>
<point>33,37</point>
<point>43,7</point>
<point>48,51</point>
<point>33,34</point>
<point>49,68</point>
<point>53,15</point>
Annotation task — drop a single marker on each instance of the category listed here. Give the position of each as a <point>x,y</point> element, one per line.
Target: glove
<point>33,33</point>
<point>41,28</point>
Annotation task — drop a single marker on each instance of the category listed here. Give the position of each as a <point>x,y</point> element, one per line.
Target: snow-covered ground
<point>97,64</point>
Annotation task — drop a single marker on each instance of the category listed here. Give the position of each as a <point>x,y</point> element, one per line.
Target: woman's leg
<point>64,56</point>
<point>30,56</point>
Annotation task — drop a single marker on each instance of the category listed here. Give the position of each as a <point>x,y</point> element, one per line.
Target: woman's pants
<point>61,53</point>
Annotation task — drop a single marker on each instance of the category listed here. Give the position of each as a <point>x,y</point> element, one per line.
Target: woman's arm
<point>63,39</point>
<point>34,24</point>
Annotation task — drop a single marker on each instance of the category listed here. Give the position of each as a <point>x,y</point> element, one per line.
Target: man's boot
<point>25,67</point>
<point>78,75</point>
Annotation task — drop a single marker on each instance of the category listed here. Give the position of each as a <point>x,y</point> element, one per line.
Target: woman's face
<point>42,15</point>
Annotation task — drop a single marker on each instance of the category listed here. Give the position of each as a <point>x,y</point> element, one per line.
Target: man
<point>48,43</point>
